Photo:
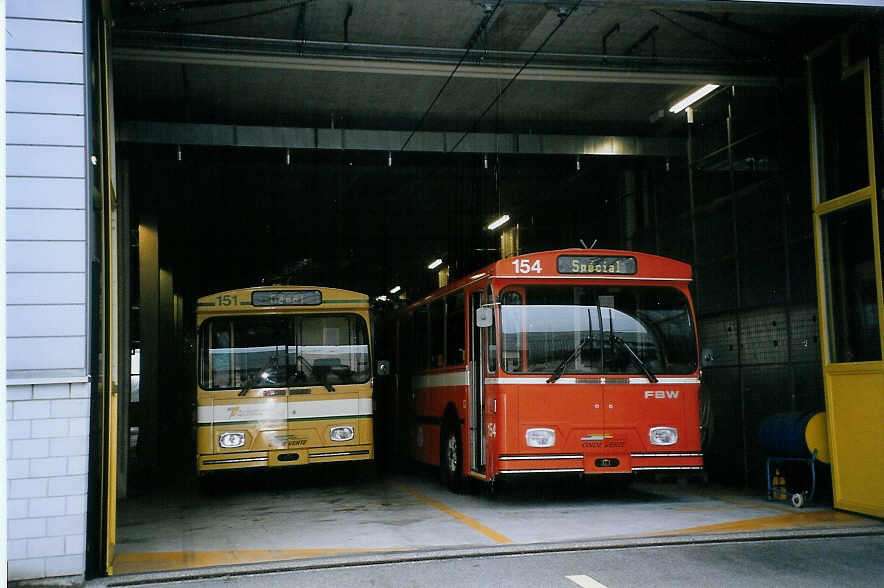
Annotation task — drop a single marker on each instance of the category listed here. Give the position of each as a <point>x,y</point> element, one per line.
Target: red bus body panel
<point>601,422</point>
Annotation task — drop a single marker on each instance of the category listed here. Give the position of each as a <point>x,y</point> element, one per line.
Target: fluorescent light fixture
<point>477,276</point>
<point>436,263</point>
<point>502,220</point>
<point>692,97</point>
<point>381,298</point>
<point>395,289</point>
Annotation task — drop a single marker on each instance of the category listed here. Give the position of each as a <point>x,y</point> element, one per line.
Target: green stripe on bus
<point>344,301</point>
<point>353,416</point>
<point>205,304</point>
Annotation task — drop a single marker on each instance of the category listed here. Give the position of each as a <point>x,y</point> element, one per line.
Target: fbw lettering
<point>661,394</point>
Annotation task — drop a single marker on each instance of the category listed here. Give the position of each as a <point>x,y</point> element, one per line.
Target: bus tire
<point>451,459</point>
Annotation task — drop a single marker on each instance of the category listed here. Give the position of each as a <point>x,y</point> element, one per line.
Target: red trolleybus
<point>578,360</point>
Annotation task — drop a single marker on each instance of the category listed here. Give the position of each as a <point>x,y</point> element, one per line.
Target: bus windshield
<point>596,330</point>
<point>275,351</point>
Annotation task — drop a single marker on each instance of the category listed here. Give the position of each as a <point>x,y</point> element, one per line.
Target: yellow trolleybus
<point>284,377</point>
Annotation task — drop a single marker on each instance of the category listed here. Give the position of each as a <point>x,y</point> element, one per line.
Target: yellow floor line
<point>825,518</point>
<point>131,563</point>
<point>472,523</point>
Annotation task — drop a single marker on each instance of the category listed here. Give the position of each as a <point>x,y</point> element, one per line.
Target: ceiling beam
<point>245,52</point>
<point>382,140</point>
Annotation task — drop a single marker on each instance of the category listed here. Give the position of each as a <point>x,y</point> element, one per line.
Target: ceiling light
<point>502,220</point>
<point>436,263</point>
<point>381,298</point>
<point>395,289</point>
<point>692,97</point>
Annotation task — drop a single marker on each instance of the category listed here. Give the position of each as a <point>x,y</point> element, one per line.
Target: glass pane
<point>271,351</point>
<point>597,330</point>
<point>840,118</point>
<point>851,298</point>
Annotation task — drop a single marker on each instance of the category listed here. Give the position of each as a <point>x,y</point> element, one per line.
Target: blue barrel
<point>783,434</point>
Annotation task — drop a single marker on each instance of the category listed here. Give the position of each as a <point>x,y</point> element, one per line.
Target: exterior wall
<point>48,391</point>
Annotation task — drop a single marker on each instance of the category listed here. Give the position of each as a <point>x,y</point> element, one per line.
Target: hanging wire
<point>562,20</point>
<point>475,36</point>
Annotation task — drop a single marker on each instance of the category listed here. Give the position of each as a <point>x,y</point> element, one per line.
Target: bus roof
<point>275,298</point>
<point>582,264</point>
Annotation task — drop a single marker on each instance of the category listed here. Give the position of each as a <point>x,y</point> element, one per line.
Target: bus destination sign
<point>595,264</point>
<point>287,298</point>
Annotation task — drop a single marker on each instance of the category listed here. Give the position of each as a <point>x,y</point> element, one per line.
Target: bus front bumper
<point>283,457</point>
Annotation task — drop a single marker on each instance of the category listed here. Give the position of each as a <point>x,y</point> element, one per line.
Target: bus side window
<point>221,368</point>
<point>514,348</point>
<point>422,337</point>
<point>454,320</point>
<point>491,334</point>
<point>437,333</point>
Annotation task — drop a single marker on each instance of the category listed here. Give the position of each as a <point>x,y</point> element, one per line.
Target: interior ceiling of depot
<point>604,68</point>
<point>177,60</point>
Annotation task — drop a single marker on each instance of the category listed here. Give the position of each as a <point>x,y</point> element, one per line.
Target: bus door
<point>477,388</point>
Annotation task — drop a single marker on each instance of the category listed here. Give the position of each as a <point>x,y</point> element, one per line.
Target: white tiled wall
<point>48,423</point>
<point>47,469</point>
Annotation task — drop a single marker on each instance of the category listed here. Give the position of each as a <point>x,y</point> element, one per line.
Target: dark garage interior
<point>350,143</point>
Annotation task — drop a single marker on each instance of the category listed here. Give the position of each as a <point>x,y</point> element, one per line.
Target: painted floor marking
<point>586,582</point>
<point>162,561</point>
<point>826,518</point>
<point>470,522</point>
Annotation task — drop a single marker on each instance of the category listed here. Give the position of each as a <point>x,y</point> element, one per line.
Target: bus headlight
<point>232,440</point>
<point>341,433</point>
<point>664,435</point>
<point>540,437</point>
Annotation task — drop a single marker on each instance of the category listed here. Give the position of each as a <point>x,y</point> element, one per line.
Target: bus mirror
<point>707,358</point>
<point>484,317</point>
<point>383,368</point>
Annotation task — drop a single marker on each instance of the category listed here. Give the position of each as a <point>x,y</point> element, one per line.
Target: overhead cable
<point>563,17</point>
<point>473,38</point>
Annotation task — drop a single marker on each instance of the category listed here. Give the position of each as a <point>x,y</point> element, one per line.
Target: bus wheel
<point>451,462</point>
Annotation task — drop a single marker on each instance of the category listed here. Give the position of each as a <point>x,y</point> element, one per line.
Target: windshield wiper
<point>560,369</point>
<point>635,358</point>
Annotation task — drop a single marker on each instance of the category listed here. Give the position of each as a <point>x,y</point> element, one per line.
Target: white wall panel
<point>46,193</point>
<point>48,225</point>
<point>46,288</point>
<point>46,98</point>
<point>48,9</point>
<point>44,257</point>
<point>33,66</point>
<point>65,162</point>
<point>44,35</point>
<point>46,321</point>
<point>45,129</point>
<point>46,353</point>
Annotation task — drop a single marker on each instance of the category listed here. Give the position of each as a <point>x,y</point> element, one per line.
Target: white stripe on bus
<point>460,378</point>
<point>582,380</point>
<point>277,410</point>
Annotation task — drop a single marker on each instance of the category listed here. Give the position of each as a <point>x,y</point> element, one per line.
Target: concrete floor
<point>285,515</point>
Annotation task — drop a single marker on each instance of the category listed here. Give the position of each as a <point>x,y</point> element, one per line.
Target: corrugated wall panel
<point>32,66</point>
<point>44,35</point>
<point>61,193</point>
<point>45,129</point>
<point>46,321</point>
<point>54,10</point>
<point>45,257</point>
<point>56,288</point>
<point>45,161</point>
<point>46,225</point>
<point>46,353</point>
<point>46,279</point>
<point>36,97</point>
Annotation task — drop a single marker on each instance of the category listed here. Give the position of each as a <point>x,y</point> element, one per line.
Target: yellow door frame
<point>854,390</point>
